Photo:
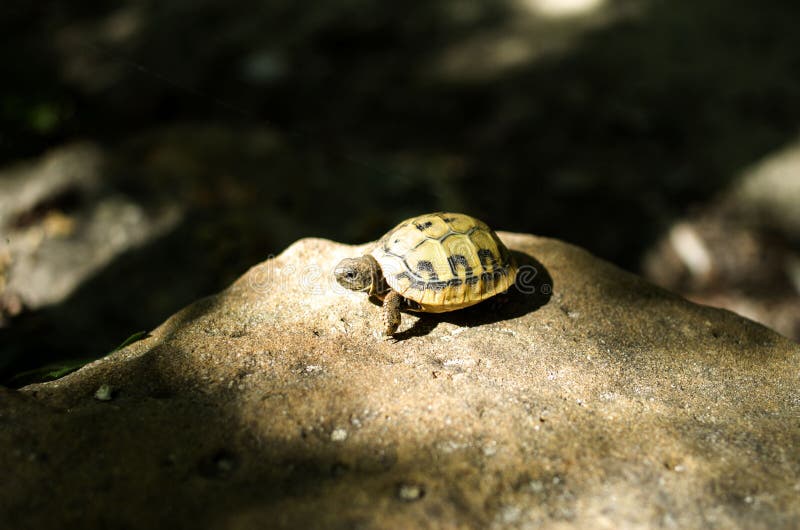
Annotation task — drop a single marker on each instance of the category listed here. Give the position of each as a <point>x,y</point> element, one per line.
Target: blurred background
<point>151,152</point>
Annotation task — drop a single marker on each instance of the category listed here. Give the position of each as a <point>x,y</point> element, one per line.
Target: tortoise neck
<point>378,287</point>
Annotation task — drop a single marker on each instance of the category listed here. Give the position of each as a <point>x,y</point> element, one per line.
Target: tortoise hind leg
<point>391,312</point>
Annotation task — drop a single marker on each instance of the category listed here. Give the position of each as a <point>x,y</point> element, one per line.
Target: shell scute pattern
<point>431,227</point>
<point>445,261</point>
<point>460,223</point>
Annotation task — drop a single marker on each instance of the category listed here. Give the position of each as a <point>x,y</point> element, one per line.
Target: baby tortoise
<point>432,263</point>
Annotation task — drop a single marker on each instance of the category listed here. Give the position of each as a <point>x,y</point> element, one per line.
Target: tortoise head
<point>358,274</point>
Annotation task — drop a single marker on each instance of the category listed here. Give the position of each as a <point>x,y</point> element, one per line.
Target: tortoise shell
<point>444,261</point>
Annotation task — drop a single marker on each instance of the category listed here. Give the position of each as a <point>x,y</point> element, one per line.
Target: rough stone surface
<point>597,401</point>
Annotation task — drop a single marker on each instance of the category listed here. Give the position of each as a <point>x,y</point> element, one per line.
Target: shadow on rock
<point>532,289</point>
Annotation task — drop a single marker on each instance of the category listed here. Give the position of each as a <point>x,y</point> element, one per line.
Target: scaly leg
<point>391,312</point>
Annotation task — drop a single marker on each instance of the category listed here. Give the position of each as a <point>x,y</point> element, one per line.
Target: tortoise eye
<point>350,275</point>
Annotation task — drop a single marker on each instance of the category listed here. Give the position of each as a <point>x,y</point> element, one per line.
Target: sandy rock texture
<point>590,400</point>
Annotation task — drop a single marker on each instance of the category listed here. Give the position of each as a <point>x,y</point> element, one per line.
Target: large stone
<point>591,400</point>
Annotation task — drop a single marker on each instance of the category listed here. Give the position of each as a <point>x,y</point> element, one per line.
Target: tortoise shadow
<point>531,290</point>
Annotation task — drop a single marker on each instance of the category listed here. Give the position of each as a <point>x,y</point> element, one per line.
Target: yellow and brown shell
<point>445,261</point>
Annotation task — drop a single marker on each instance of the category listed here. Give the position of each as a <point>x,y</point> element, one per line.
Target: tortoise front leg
<point>391,312</point>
